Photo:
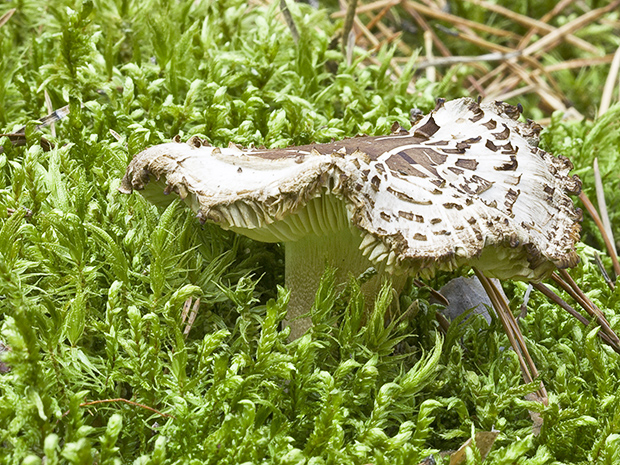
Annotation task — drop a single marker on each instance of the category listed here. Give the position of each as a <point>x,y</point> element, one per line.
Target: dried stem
<point>467,59</point>
<point>6,16</point>
<point>583,320</point>
<point>602,204</point>
<point>126,401</point>
<point>517,341</point>
<point>601,268</point>
<point>457,20</point>
<point>290,22</point>
<point>610,83</point>
<point>436,294</point>
<point>348,25</point>
<point>537,24</point>
<point>551,39</point>
<point>566,282</point>
<point>438,43</point>
<point>599,223</point>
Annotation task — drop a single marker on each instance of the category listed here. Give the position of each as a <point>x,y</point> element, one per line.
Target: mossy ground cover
<point>92,282</point>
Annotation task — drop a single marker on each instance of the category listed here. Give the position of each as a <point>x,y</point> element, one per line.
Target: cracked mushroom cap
<point>466,185</point>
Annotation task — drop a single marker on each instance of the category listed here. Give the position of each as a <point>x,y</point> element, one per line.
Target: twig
<point>290,22</point>
<point>126,401</point>
<point>599,223</point>
<point>610,83</point>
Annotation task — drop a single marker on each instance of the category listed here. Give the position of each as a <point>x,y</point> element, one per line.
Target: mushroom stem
<point>306,261</point>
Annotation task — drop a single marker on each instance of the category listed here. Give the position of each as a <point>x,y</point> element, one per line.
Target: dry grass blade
<point>535,24</point>
<point>288,18</point>
<point>599,224</point>
<point>446,61</point>
<point>583,320</point>
<point>610,83</point>
<point>484,442</point>
<point>431,75</point>
<point>602,204</point>
<point>557,35</point>
<point>192,318</point>
<point>6,16</point>
<point>476,40</point>
<point>375,21</point>
<point>545,19</point>
<point>50,109</point>
<point>566,282</point>
<point>18,138</point>
<point>437,41</point>
<point>436,294</point>
<point>424,25</point>
<point>526,299</point>
<point>125,401</point>
<point>348,25</point>
<point>528,368</point>
<point>368,7</point>
<point>186,306</point>
<point>601,268</point>
<point>458,21</point>
<point>579,63</point>
<point>522,69</point>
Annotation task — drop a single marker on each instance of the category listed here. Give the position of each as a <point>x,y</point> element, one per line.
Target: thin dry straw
<point>512,330</point>
<point>6,16</point>
<point>562,303</point>
<point>290,22</point>
<point>602,204</point>
<point>599,223</point>
<point>566,282</point>
<point>610,83</point>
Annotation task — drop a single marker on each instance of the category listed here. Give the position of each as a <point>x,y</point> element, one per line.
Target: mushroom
<point>466,185</point>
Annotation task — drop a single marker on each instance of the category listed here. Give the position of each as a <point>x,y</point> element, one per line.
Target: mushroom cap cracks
<point>466,185</point>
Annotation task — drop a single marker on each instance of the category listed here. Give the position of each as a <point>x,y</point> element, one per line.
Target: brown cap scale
<point>466,185</point>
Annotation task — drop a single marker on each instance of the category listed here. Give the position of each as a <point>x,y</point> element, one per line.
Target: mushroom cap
<point>466,185</point>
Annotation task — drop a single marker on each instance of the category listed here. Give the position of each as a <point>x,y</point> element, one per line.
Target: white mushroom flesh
<point>466,185</point>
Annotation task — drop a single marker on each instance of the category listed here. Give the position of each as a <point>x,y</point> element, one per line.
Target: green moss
<point>92,283</point>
